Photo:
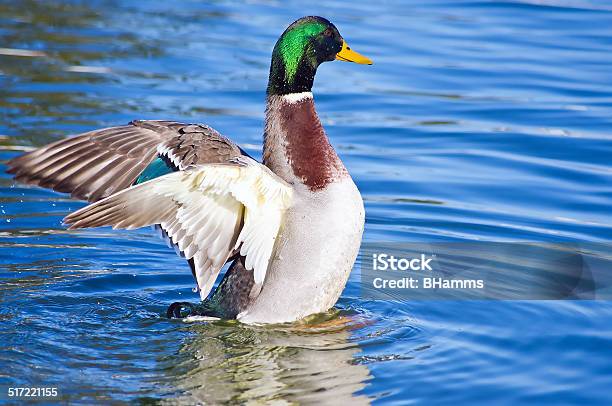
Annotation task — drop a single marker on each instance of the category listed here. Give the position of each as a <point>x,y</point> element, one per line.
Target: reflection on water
<point>480,121</point>
<point>310,363</point>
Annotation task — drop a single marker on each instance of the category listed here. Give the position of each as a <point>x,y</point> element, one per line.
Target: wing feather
<point>96,164</point>
<point>207,210</point>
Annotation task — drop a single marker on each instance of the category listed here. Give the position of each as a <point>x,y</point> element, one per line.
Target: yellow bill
<point>348,55</point>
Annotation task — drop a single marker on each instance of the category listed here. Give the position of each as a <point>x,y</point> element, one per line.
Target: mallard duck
<point>290,226</point>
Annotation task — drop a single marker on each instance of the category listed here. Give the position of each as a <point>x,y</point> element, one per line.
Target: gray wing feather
<point>96,164</point>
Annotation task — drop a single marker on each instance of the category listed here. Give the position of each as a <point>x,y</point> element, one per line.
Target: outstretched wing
<point>207,210</point>
<point>96,164</point>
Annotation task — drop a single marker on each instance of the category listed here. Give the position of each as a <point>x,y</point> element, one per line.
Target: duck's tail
<point>233,295</point>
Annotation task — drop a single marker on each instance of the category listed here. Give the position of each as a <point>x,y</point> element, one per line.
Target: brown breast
<point>296,126</point>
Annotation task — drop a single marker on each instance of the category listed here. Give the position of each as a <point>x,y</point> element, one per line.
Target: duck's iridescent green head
<point>304,45</point>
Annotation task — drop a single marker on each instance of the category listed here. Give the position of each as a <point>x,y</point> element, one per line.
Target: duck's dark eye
<point>328,32</point>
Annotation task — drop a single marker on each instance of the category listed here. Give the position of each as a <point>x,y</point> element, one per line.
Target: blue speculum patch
<point>157,168</point>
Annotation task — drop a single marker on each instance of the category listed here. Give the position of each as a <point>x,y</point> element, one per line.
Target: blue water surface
<point>479,121</point>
